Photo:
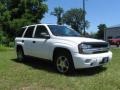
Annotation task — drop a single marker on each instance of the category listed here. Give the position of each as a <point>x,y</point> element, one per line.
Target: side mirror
<point>45,35</point>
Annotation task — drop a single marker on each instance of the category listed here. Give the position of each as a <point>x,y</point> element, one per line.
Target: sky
<point>98,11</point>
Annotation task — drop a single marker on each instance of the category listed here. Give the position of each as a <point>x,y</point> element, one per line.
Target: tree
<point>75,18</point>
<point>58,12</point>
<point>17,13</point>
<point>93,35</point>
<point>101,30</point>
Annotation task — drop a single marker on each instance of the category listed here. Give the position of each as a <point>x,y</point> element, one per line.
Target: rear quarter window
<point>20,32</point>
<point>29,32</point>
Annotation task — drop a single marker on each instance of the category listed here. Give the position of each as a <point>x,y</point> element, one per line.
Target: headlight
<point>85,46</point>
<point>82,47</point>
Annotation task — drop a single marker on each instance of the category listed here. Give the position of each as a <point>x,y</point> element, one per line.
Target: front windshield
<point>63,31</point>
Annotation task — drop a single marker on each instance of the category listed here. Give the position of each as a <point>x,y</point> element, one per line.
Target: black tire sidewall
<point>20,50</point>
<point>118,43</point>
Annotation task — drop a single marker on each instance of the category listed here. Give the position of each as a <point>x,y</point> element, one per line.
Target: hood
<point>79,40</point>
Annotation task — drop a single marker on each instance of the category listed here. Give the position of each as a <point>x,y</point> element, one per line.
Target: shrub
<point>11,44</point>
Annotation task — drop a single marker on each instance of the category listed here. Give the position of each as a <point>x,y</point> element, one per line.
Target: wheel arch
<point>64,50</point>
<point>60,49</point>
<point>19,47</point>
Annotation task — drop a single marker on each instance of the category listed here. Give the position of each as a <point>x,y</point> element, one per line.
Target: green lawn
<point>40,75</point>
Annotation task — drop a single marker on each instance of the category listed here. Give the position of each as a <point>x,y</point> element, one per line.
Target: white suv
<point>63,46</point>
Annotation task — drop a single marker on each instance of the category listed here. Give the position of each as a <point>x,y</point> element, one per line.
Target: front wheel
<point>64,63</point>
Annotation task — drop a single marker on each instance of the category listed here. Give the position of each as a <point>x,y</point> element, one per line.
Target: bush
<point>11,44</point>
<point>5,41</point>
<point>1,36</point>
<point>3,48</point>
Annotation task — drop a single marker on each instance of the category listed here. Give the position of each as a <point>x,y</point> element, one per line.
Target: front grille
<point>100,52</point>
<point>98,44</point>
<point>97,47</point>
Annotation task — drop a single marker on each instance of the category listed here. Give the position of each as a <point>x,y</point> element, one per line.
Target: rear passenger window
<point>29,32</point>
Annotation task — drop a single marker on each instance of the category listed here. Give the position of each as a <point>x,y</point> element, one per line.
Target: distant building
<point>112,32</point>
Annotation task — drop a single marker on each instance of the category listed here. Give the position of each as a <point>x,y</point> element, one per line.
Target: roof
<point>115,26</point>
<point>37,24</point>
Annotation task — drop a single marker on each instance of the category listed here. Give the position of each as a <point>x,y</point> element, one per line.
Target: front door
<point>41,45</point>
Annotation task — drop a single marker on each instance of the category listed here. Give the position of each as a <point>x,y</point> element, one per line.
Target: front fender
<point>71,48</point>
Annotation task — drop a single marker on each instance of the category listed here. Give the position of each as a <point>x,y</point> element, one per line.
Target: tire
<point>118,43</point>
<point>64,63</point>
<point>20,54</point>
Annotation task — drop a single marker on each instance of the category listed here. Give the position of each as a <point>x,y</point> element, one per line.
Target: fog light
<point>87,60</point>
<point>91,64</point>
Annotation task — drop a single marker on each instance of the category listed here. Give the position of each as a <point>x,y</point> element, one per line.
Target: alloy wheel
<point>62,64</point>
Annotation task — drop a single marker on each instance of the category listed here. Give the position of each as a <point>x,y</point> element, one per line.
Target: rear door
<point>27,40</point>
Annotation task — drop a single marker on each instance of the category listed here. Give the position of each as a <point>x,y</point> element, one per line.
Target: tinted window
<point>118,37</point>
<point>39,30</point>
<point>63,31</point>
<point>20,32</point>
<point>110,37</point>
<point>29,32</point>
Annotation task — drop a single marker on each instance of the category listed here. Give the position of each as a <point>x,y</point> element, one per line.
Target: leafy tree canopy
<point>58,12</point>
<point>17,13</point>
<point>101,29</point>
<point>75,18</point>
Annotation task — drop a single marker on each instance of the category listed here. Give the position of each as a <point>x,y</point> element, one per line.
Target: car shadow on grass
<point>89,71</point>
<point>48,66</point>
<point>39,64</point>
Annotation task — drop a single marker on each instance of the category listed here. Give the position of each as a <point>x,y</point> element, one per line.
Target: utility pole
<point>84,17</point>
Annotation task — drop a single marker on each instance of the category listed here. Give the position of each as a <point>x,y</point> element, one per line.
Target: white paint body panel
<point>79,59</point>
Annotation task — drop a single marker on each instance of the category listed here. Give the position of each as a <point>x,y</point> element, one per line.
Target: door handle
<point>22,41</point>
<point>34,41</point>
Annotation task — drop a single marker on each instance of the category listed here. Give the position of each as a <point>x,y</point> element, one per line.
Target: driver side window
<point>40,30</point>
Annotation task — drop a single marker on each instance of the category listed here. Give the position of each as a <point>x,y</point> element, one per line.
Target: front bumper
<point>94,59</point>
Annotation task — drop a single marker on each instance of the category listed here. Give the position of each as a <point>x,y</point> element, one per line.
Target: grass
<point>3,48</point>
<point>40,75</point>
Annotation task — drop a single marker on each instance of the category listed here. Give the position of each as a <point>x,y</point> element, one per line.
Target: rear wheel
<point>64,62</point>
<point>20,54</point>
<point>118,43</point>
